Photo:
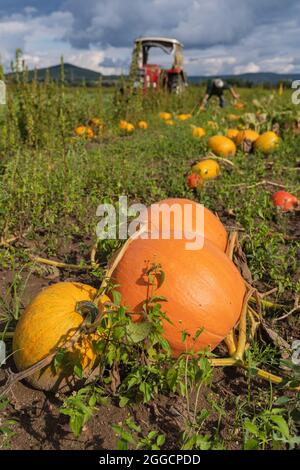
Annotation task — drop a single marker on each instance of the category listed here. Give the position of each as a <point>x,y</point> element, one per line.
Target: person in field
<point>217,87</point>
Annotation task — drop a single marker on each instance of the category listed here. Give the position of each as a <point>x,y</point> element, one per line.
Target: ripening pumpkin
<point>284,200</point>
<point>129,127</point>
<point>123,124</point>
<point>194,181</point>
<point>209,169</point>
<point>247,134</point>
<point>203,289</point>
<point>84,131</point>
<point>198,132</point>
<point>239,105</point>
<point>233,117</point>
<point>47,322</point>
<point>143,125</point>
<point>267,142</point>
<point>232,133</point>
<point>165,116</point>
<point>188,219</point>
<point>222,146</point>
<point>169,122</point>
<point>184,117</point>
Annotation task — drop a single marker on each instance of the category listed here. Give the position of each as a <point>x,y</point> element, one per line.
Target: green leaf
<point>137,332</point>
<point>160,440</point>
<point>251,427</point>
<point>146,390</point>
<point>157,298</point>
<point>251,444</point>
<point>172,376</point>
<point>161,279</point>
<point>282,425</point>
<point>282,401</point>
<point>122,445</point>
<point>78,371</point>
<point>116,297</point>
<point>123,402</point>
<point>59,358</point>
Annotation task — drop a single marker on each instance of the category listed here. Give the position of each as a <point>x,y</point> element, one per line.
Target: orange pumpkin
<point>84,131</point>
<point>143,125</point>
<point>198,132</point>
<point>203,289</point>
<point>165,116</point>
<point>123,125</point>
<point>214,230</point>
<point>239,105</point>
<point>232,133</point>
<point>247,134</point>
<point>184,117</point>
<point>222,146</point>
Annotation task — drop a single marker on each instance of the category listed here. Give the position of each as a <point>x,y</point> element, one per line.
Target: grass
<point>51,184</point>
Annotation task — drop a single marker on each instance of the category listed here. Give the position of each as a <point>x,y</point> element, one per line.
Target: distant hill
<point>75,75</point>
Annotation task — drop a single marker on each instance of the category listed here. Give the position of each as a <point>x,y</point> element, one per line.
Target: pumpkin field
<point>199,351</point>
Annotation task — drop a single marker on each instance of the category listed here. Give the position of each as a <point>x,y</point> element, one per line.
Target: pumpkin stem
<point>231,343</point>
<point>88,310</point>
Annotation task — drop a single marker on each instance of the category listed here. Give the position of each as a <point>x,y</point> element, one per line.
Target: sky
<point>219,36</point>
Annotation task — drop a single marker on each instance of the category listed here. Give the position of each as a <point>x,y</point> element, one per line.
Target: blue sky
<point>220,36</point>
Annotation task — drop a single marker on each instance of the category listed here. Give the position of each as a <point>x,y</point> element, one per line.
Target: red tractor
<point>152,76</point>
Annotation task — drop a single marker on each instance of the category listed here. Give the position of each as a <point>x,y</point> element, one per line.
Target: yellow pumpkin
<point>198,132</point>
<point>129,127</point>
<point>267,142</point>
<point>247,134</point>
<point>233,117</point>
<point>184,117</point>
<point>84,131</point>
<point>143,125</point>
<point>46,324</point>
<point>208,169</point>
<point>232,133</point>
<point>169,122</point>
<point>123,124</point>
<point>165,116</point>
<point>222,146</point>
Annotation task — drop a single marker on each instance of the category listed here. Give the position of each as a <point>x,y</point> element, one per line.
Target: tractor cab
<point>153,76</point>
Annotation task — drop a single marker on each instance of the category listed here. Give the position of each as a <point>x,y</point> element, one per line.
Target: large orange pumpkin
<point>214,230</point>
<point>203,288</point>
<point>48,321</point>
<point>222,146</point>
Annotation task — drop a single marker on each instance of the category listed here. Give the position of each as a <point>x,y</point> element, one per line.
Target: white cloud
<point>220,36</point>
